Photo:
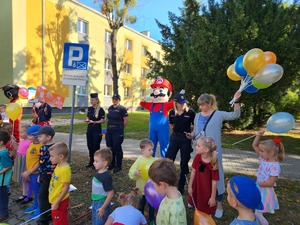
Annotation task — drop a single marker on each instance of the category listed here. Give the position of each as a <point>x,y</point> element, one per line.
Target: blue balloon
<point>280,122</point>
<point>239,67</point>
<point>251,89</point>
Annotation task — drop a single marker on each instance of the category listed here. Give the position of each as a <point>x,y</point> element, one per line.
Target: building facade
<point>31,51</point>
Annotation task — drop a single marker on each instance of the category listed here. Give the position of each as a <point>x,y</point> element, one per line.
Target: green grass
<point>137,128</point>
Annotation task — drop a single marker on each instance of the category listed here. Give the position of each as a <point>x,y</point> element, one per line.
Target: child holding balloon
<point>139,172</point>
<point>127,213</point>
<point>162,174</point>
<point>204,176</point>
<point>271,153</point>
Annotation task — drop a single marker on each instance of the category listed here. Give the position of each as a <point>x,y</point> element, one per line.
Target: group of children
<point>41,166</point>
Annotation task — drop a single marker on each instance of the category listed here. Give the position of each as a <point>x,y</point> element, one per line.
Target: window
<point>157,55</point>
<point>107,36</point>
<point>107,64</point>
<point>144,72</point>
<point>107,90</point>
<point>81,90</point>
<point>143,93</point>
<point>128,44</point>
<point>128,68</point>
<point>144,50</point>
<point>82,26</point>
<point>126,92</point>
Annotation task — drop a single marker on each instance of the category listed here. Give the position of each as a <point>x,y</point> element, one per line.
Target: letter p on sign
<point>76,56</point>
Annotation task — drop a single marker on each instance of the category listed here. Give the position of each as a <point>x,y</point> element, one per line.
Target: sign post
<point>75,65</point>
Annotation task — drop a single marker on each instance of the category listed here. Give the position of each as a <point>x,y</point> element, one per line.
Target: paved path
<point>243,162</point>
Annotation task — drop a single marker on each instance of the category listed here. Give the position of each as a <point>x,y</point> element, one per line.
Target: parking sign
<point>76,56</point>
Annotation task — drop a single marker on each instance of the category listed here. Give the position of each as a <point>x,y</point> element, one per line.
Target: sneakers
<point>219,213</point>
<point>21,198</point>
<point>26,200</point>
<point>30,209</point>
<point>36,214</point>
<point>117,169</point>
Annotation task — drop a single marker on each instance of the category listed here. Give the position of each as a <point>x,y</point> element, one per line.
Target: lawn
<point>288,195</point>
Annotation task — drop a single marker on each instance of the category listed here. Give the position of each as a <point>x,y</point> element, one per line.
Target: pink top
<point>23,146</point>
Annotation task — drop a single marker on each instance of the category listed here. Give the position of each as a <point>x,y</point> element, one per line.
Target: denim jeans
<point>3,200</point>
<point>96,220</point>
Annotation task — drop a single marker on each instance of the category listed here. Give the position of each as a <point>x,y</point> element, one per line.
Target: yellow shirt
<point>61,175</point>
<point>32,155</point>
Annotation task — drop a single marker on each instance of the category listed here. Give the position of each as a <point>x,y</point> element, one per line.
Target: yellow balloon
<point>253,61</point>
<point>232,74</point>
<point>201,218</point>
<point>13,111</point>
<point>145,167</point>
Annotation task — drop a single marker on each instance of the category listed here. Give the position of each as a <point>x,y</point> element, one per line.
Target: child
<point>6,164</point>
<point>12,144</point>
<point>270,153</point>
<point>60,183</point>
<point>46,168</point>
<point>244,196</point>
<point>30,174</point>
<point>3,114</point>
<point>20,162</point>
<point>145,159</point>
<point>164,178</point>
<point>127,213</point>
<point>102,188</point>
<point>204,176</point>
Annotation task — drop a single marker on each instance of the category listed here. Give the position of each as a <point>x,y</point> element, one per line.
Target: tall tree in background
<point>116,13</point>
<point>201,44</point>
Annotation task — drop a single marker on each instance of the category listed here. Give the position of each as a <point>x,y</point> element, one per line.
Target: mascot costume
<point>12,93</point>
<point>159,129</point>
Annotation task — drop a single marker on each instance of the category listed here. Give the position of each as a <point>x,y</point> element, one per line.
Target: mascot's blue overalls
<point>159,123</point>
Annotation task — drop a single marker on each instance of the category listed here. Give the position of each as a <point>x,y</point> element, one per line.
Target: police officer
<point>117,119</point>
<point>95,116</point>
<point>181,120</point>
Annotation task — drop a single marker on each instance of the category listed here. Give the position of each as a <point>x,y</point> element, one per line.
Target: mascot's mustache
<point>159,95</point>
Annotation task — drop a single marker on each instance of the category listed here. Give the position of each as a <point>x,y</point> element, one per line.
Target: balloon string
<point>35,217</point>
<point>244,139</point>
<point>245,82</point>
<point>187,182</point>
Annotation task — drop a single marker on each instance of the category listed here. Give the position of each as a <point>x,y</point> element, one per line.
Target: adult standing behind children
<point>31,174</point>
<point>140,166</point>
<point>95,116</point>
<point>102,187</point>
<point>208,122</point>
<point>60,183</point>
<point>181,120</point>
<point>117,119</point>
<point>244,196</point>
<point>6,164</point>
<point>46,168</point>
<point>162,174</point>
<point>42,113</point>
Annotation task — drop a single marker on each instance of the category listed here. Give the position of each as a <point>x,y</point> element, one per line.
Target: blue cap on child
<point>246,192</point>
<point>33,130</point>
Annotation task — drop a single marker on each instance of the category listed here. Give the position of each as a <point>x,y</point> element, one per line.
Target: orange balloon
<point>201,218</point>
<point>253,61</point>
<point>232,74</point>
<point>270,57</point>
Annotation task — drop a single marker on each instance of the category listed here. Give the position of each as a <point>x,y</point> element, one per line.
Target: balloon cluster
<point>256,70</point>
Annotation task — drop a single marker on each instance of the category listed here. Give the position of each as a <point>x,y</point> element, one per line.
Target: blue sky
<point>147,11</point>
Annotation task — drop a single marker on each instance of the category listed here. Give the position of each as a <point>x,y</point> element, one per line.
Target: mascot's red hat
<point>162,82</point>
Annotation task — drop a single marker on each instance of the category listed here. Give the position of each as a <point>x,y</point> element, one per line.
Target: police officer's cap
<point>116,96</point>
<point>94,95</point>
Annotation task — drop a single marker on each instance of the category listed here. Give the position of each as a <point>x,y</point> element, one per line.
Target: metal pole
<point>43,42</point>
<point>71,123</point>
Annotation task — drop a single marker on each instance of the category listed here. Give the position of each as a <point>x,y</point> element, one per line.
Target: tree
<point>116,13</point>
<point>201,44</point>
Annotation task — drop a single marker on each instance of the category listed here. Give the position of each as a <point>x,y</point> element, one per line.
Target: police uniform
<point>94,130</point>
<point>178,141</point>
<point>115,133</point>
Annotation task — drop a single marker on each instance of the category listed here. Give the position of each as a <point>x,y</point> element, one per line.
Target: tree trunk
<point>114,60</point>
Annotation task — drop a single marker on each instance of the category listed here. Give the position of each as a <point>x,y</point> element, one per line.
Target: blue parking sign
<point>76,56</point>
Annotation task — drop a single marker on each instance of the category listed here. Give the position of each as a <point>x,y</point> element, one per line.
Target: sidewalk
<point>237,161</point>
